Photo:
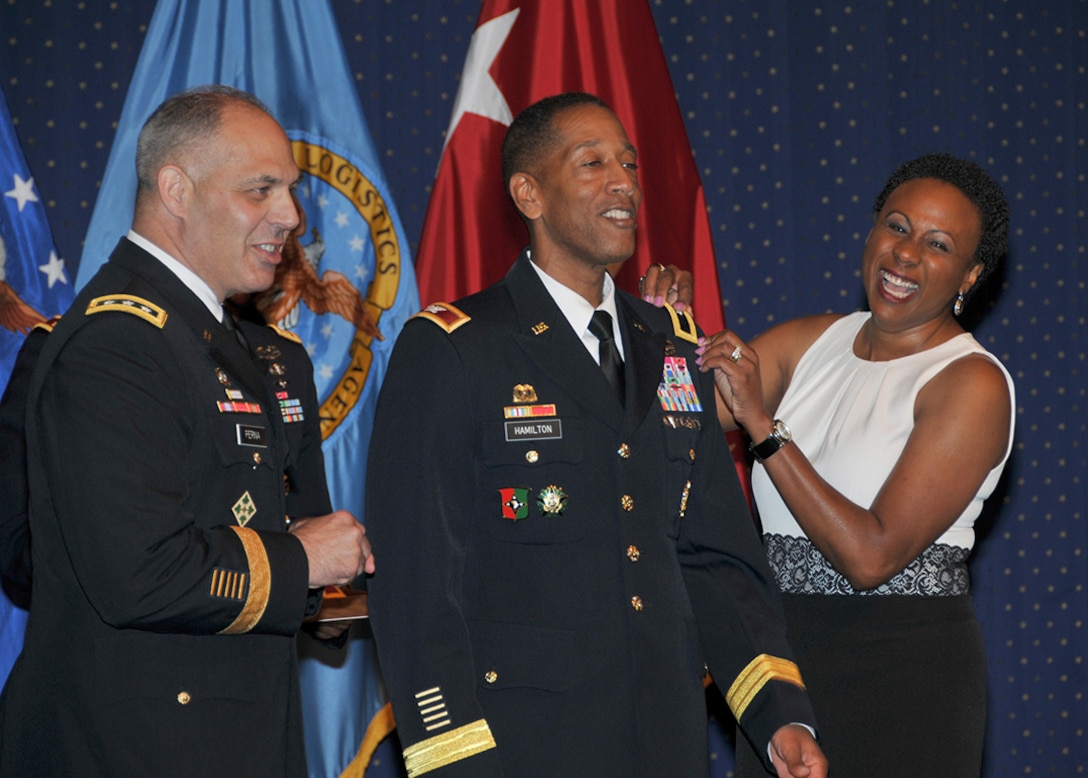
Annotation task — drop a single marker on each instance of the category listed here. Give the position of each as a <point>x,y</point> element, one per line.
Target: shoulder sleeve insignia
<point>128,303</point>
<point>446,316</point>
<point>286,334</point>
<point>47,325</point>
<point>683,326</point>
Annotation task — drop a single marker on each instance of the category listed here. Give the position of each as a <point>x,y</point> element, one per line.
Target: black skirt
<point>898,684</point>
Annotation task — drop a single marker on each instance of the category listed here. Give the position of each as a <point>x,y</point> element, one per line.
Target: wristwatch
<point>780,436</point>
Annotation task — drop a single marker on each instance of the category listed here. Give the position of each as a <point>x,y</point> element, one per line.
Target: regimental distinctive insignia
<point>670,348</point>
<point>128,303</point>
<point>528,411</point>
<point>223,379</point>
<point>207,336</point>
<point>290,408</point>
<point>515,503</point>
<point>551,500</point>
<point>524,393</point>
<point>683,326</point>
<point>676,390</point>
<point>244,509</point>
<point>446,316</point>
<point>540,327</point>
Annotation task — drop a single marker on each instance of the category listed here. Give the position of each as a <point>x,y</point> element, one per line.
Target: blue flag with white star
<point>291,57</point>
<point>33,287</point>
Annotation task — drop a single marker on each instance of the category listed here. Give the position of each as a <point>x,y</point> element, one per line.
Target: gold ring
<point>735,356</point>
<point>661,268</point>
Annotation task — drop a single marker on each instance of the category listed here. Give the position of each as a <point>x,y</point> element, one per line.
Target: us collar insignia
<point>244,509</point>
<point>515,503</point>
<point>539,328</point>
<point>524,393</point>
<point>222,376</point>
<point>551,500</point>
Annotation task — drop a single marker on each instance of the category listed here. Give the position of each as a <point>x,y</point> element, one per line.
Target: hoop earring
<point>957,307</point>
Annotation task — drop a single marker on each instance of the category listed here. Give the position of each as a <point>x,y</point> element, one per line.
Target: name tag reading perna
<point>249,435</point>
<point>551,429</point>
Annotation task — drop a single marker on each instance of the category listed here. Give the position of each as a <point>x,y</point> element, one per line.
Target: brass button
<point>624,451</point>
<point>628,502</point>
<point>691,454</point>
<point>491,676</point>
<point>633,553</point>
<point>256,458</point>
<point>636,603</point>
<point>183,698</point>
<point>531,456</point>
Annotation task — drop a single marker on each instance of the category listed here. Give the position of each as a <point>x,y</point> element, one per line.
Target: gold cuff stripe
<point>447,748</point>
<point>448,317</point>
<point>260,586</point>
<point>761,670</point>
<point>128,303</point>
<point>683,325</point>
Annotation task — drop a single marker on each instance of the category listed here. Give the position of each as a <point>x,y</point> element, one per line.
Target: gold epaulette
<point>128,303</point>
<point>446,316</point>
<point>759,672</point>
<point>683,326</point>
<point>286,334</point>
<point>47,325</point>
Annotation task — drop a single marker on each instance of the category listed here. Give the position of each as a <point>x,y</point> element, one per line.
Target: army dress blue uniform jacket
<point>557,571</point>
<point>166,592</point>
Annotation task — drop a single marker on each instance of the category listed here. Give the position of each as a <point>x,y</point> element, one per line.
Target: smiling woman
<point>878,436</point>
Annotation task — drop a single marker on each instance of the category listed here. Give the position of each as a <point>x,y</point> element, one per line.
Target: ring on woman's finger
<point>735,356</point>
<point>660,267</point>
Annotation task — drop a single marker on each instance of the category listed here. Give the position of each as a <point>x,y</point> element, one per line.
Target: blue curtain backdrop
<point>796,112</point>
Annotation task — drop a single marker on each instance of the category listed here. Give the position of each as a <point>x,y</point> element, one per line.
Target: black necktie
<point>601,326</point>
<point>232,327</point>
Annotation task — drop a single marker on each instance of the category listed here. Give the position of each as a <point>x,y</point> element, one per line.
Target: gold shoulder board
<point>683,326</point>
<point>128,303</point>
<point>47,325</point>
<point>446,316</point>
<point>286,334</point>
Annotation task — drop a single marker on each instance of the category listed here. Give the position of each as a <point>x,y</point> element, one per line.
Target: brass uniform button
<point>491,676</point>
<point>531,456</point>
<point>636,603</point>
<point>256,458</point>
<point>633,553</point>
<point>183,698</point>
<point>624,451</point>
<point>627,502</point>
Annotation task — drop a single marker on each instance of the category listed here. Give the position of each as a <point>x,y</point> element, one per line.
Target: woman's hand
<point>660,285</point>
<point>737,376</point>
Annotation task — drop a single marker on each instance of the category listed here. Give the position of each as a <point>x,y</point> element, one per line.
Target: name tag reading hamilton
<point>249,435</point>
<point>546,429</point>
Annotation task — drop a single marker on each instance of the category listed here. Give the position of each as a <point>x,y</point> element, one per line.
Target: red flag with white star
<point>525,50</point>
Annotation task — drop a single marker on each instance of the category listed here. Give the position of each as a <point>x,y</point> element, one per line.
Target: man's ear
<point>525,192</point>
<point>175,189</point>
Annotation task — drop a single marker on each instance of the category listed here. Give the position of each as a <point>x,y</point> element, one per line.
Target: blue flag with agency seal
<point>34,286</point>
<point>291,57</point>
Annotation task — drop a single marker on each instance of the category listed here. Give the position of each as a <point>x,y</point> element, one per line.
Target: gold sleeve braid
<point>260,583</point>
<point>755,676</point>
<point>447,748</point>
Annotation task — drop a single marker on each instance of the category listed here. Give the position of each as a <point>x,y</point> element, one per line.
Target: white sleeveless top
<point>851,417</point>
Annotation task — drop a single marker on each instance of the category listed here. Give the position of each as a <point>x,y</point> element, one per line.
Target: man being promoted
<point>168,579</point>
<point>565,546</point>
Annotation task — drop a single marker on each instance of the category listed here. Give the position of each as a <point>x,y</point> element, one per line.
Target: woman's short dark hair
<point>977,185</point>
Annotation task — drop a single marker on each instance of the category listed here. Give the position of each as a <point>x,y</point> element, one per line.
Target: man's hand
<point>336,548</point>
<point>795,754</point>
<point>670,285</point>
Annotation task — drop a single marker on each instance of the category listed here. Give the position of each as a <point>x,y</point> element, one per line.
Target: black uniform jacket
<point>555,568</point>
<point>166,592</point>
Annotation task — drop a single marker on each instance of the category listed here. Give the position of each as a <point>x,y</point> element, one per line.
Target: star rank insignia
<point>244,509</point>
<point>515,503</point>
